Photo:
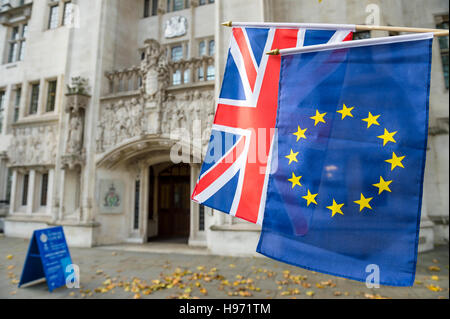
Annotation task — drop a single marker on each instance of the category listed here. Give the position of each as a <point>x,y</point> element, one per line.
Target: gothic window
<point>44,189</point>
<point>200,76</point>
<point>2,103</point>
<point>53,17</point>
<point>18,95</point>
<point>211,48</point>
<point>146,8</point>
<point>210,73</point>
<point>176,5</point>
<point>17,43</point>
<point>25,189</point>
<point>203,2</point>
<point>34,99</point>
<point>13,45</point>
<point>206,47</point>
<point>201,48</point>
<point>68,13</point>
<point>150,8</point>
<point>60,13</point>
<point>176,77</point>
<point>177,53</point>
<point>51,96</point>
<point>442,23</point>
<point>187,76</point>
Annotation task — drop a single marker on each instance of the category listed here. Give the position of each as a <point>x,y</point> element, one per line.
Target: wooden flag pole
<point>436,32</point>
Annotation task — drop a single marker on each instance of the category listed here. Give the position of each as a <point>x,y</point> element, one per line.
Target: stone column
<point>143,201</point>
<point>31,195</point>
<point>194,208</point>
<point>50,187</point>
<point>13,199</point>
<point>60,212</point>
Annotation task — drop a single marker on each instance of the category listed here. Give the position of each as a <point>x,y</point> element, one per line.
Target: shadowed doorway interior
<point>174,203</point>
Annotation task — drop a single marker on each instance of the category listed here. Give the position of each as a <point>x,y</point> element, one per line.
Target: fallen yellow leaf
<point>310,293</point>
<point>9,257</point>
<point>434,288</point>
<point>435,278</point>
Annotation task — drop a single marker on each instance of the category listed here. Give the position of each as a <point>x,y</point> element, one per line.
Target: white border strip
<point>357,43</point>
<point>313,26</point>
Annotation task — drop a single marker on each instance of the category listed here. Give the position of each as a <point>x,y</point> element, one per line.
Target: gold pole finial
<point>273,52</point>
<point>227,24</point>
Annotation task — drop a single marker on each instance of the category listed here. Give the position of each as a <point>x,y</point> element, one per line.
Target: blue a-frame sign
<point>48,257</point>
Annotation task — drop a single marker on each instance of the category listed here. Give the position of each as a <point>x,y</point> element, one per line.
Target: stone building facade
<point>95,95</point>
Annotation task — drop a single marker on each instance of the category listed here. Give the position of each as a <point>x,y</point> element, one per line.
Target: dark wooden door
<point>174,202</point>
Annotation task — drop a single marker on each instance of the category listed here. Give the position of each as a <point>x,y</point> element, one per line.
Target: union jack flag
<point>233,178</point>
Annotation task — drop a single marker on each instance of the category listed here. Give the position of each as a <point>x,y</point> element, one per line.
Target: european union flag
<point>352,132</point>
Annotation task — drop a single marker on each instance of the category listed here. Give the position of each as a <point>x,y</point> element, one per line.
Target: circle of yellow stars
<point>382,185</point>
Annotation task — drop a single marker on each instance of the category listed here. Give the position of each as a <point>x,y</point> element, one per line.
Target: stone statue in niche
<point>77,101</point>
<point>75,135</point>
<point>175,27</point>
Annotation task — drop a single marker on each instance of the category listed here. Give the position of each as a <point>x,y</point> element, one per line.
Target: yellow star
<point>371,120</point>
<point>292,157</point>
<point>346,111</point>
<point>335,208</point>
<point>295,180</point>
<point>395,161</point>
<point>363,202</point>
<point>387,137</point>
<point>310,198</point>
<point>300,133</point>
<point>383,185</point>
<point>318,118</point>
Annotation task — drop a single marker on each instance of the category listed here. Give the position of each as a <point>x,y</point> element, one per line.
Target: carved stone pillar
<point>74,153</point>
<point>155,76</point>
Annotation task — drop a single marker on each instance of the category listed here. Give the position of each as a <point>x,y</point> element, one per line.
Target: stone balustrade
<point>191,71</point>
<point>182,72</point>
<point>124,80</point>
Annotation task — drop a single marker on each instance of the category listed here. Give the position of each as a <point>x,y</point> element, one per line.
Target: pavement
<point>123,272</point>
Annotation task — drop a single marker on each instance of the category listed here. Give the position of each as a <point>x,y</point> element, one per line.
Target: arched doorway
<point>173,203</point>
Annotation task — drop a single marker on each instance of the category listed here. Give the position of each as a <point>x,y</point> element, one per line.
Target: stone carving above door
<point>157,108</point>
<point>119,121</point>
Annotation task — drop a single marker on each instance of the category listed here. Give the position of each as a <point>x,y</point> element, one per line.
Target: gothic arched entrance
<point>173,202</point>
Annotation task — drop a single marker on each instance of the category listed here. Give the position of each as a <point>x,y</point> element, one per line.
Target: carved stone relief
<point>33,146</point>
<point>175,27</point>
<point>119,121</point>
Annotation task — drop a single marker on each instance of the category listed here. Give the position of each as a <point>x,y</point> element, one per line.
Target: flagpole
<point>352,44</point>
<point>325,26</point>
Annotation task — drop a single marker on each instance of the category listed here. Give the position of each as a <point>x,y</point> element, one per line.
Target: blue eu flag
<point>352,126</point>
